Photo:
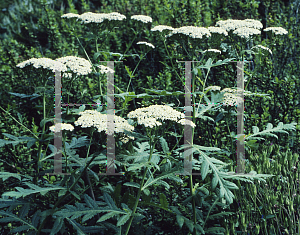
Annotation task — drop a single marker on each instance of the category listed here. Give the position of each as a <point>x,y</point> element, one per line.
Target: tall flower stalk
<point>152,117</point>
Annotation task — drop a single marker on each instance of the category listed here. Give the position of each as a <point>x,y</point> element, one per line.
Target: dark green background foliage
<point>34,28</point>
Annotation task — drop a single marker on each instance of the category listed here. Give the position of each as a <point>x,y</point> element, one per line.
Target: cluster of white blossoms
<point>63,126</point>
<point>160,28</point>
<point>262,47</point>
<point>233,97</point>
<point>45,63</point>
<point>70,15</point>
<point>148,116</point>
<point>105,69</point>
<point>235,24</point>
<point>126,138</point>
<point>142,18</point>
<point>90,17</point>
<point>217,30</point>
<point>92,118</point>
<point>186,122</point>
<point>77,65</point>
<point>213,88</point>
<point>67,75</point>
<point>245,32</point>
<point>212,50</point>
<point>276,30</point>
<point>147,44</point>
<point>191,31</point>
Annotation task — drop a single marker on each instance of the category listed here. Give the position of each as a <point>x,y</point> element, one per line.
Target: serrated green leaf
<point>123,220</point>
<point>204,169</point>
<point>106,216</point>
<point>132,184</point>
<point>214,182</point>
<point>180,220</point>
<point>57,225</point>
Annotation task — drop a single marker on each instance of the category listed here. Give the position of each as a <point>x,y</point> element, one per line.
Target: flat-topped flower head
<point>191,31</point>
<point>78,66</point>
<point>276,30</point>
<point>262,47</point>
<point>160,28</point>
<point>217,30</point>
<point>213,88</point>
<point>142,18</point>
<point>212,50</point>
<point>70,15</point>
<point>105,69</point>
<point>63,126</point>
<point>90,17</point>
<point>92,118</point>
<point>148,116</point>
<point>147,44</point>
<point>233,96</point>
<point>44,63</point>
<point>246,32</point>
<point>230,24</point>
<point>187,122</point>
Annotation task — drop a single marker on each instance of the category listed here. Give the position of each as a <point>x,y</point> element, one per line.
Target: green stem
<point>191,176</point>
<point>128,46</point>
<point>140,189</point>
<point>171,61</point>
<point>131,76</point>
<point>20,123</point>
<point>201,96</point>
<point>64,197</point>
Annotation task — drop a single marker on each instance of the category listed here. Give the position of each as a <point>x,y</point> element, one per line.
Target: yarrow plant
<point>146,43</point>
<point>148,116</point>
<point>262,47</point>
<point>276,30</point>
<point>191,31</point>
<point>105,69</point>
<point>78,66</point>
<point>63,126</point>
<point>142,18</point>
<point>161,28</point>
<point>212,50</point>
<point>93,118</point>
<point>154,118</point>
<point>44,63</point>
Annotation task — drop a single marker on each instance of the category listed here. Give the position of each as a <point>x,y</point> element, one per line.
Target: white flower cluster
<point>212,50</point>
<point>160,28</point>
<point>245,32</point>
<point>186,122</point>
<point>148,116</point>
<point>126,138</point>
<point>70,15</point>
<point>142,18</point>
<point>213,88</point>
<point>191,31</point>
<point>217,30</point>
<point>262,47</point>
<point>276,30</point>
<point>45,63</point>
<point>231,99</point>
<point>231,96</point>
<point>77,65</point>
<point>147,44</point>
<point>90,17</point>
<point>67,75</point>
<point>64,126</point>
<point>105,69</point>
<point>235,24</point>
<point>92,118</point>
